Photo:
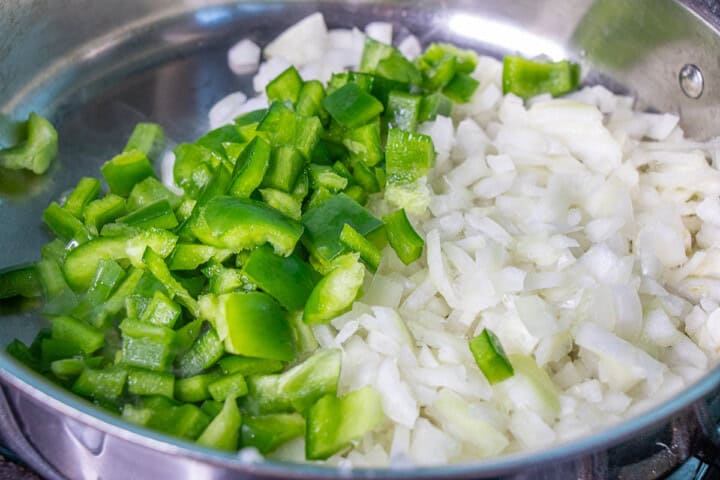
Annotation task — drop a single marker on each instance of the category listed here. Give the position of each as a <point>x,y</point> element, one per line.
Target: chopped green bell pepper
<point>461,88</point>
<point>402,236</point>
<point>285,87</point>
<point>335,293</point>
<point>334,423</point>
<point>148,138</point>
<point>289,280</point>
<point>251,324</point>
<point>403,110</point>
<point>149,191</point>
<point>369,253</point>
<point>268,432</point>
<point>196,388</point>
<point>249,365</point>
<point>408,155</point>
<point>285,166</point>
<point>86,337</point>
<point>528,78</point>
<point>104,385</point>
<point>364,145</point>
<point>351,106</point>
<point>490,357</point>
<point>36,151</point>
<point>161,311</point>
<point>159,215</point>
<point>21,281</point>
<point>324,223</point>
<point>229,386</point>
<point>282,126</point>
<point>309,102</point>
<point>85,192</point>
<point>188,256</point>
<point>125,170</point>
<point>104,210</point>
<point>296,389</point>
<point>250,168</point>
<point>148,383</point>
<point>203,354</point>
<point>223,432</point>
<point>237,224</point>
<point>64,224</point>
<point>283,202</point>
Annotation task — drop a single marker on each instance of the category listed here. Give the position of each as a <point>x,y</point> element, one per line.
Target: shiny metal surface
<point>96,68</point>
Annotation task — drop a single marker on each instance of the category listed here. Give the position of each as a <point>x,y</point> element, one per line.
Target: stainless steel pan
<point>97,67</point>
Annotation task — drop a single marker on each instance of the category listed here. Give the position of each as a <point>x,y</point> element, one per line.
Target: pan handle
<point>11,436</point>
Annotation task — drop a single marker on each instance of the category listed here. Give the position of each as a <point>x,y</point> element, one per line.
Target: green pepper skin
<point>527,78</point>
<point>334,423</point>
<point>289,280</point>
<point>37,151</point>
<point>251,324</point>
<point>125,170</point>
<point>335,293</point>
<point>241,224</point>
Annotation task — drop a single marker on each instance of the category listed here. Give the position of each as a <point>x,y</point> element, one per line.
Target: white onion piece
<point>244,57</point>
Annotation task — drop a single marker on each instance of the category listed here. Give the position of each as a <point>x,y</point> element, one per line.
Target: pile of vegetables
<point>191,314</point>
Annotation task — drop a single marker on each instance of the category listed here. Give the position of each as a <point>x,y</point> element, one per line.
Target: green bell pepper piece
<point>67,368</point>
<point>433,105</point>
<point>302,333</point>
<point>465,60</point>
<point>309,101</point>
<point>351,106</point>
<point>104,385</point>
<point>363,144</point>
<point>324,176</point>
<point>193,168</point>
<point>161,311</point>
<point>36,151</point>
<point>104,210</point>
<point>216,141</point>
<point>282,126</point>
<point>125,170</point>
<point>146,353</point>
<point>403,110</point>
<point>251,324</point>
<point>408,156</point>
<point>283,202</point>
<point>23,280</point>
<point>335,293</point>
<point>250,168</point>
<point>285,166</point>
<point>148,138</point>
<point>296,389</point>
<point>51,350</point>
<point>249,365</point>
<point>86,191</point>
<point>188,256</point>
<point>357,193</point>
<point>402,236</point>
<point>149,383</point>
<point>461,88</point>
<point>196,388</point>
<point>528,78</point>
<point>212,408</point>
<point>490,357</point>
<point>159,269</point>
<point>285,87</point>
<point>225,280</point>
<point>238,224</point>
<point>439,74</point>
<point>365,177</point>
<point>289,280</point>
<point>149,191</point>
<point>223,433</point>
<point>334,423</point>
<point>64,224</point>
<point>324,223</point>
<point>159,215</point>
<point>229,386</point>
<point>373,53</point>
<point>86,337</point>
<point>203,354</point>
<point>369,253</point>
<point>397,67</point>
<point>268,432</point>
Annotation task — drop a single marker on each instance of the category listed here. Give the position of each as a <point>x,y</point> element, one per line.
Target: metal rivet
<point>691,81</point>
